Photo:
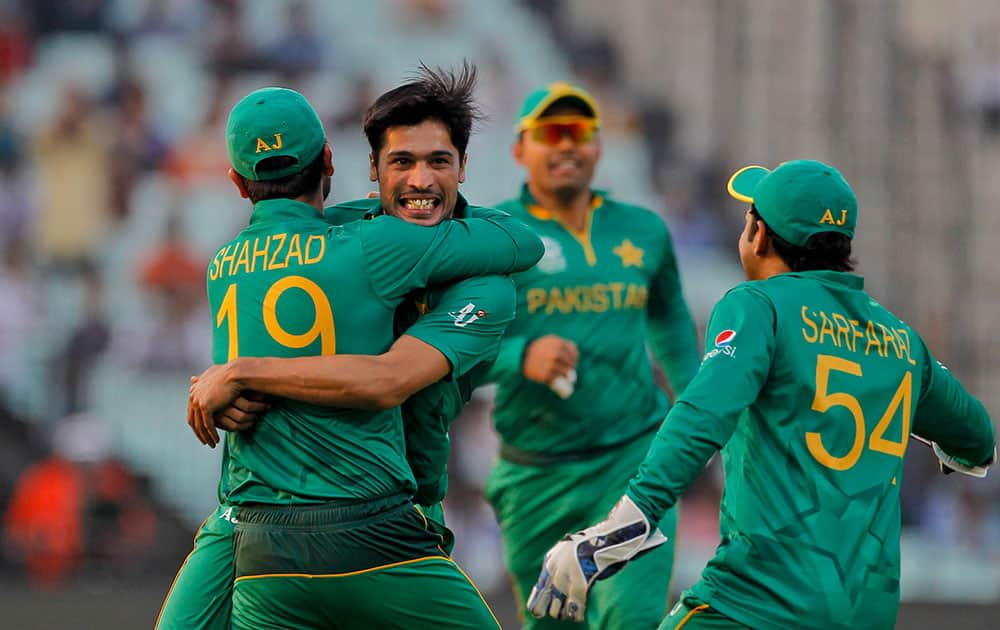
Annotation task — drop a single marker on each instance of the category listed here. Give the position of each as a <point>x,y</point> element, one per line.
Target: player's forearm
<point>956,420</point>
<point>674,340</point>
<point>528,248</point>
<point>355,381</point>
<point>670,327</point>
<point>509,359</point>
<point>683,445</point>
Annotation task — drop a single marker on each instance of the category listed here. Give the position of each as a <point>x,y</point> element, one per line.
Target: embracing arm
<point>346,380</point>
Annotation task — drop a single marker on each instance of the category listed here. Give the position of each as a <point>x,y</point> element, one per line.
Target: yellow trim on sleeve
<point>338,575</point>
<point>688,616</point>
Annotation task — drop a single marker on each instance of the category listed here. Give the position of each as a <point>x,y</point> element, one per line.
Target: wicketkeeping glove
<point>577,561</point>
<point>951,464</point>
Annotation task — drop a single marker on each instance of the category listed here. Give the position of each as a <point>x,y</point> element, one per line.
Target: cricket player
<point>460,327</point>
<point>200,596</point>
<point>811,389</point>
<point>301,475</point>
<point>577,406</point>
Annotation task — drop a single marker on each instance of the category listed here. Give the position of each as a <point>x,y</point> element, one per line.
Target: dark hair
<point>287,187</point>
<point>825,251</point>
<point>441,95</point>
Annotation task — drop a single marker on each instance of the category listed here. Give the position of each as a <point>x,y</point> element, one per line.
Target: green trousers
<point>691,614</point>
<point>377,564</point>
<point>538,505</point>
<point>200,597</point>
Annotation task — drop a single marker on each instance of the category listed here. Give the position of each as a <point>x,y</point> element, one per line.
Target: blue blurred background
<point>113,195</point>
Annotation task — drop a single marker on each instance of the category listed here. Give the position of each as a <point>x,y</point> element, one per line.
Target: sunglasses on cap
<point>551,130</point>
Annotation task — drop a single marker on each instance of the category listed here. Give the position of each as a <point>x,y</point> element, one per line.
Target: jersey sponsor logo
<point>229,515</point>
<point>724,337</point>
<point>553,260</point>
<point>723,345</point>
<point>460,316</point>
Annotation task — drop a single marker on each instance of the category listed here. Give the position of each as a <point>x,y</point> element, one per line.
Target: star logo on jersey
<point>630,254</point>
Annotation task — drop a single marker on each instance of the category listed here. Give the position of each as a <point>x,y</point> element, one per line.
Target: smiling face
<point>560,154</point>
<point>418,171</point>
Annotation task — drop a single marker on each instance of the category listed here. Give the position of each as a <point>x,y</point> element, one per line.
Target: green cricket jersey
<point>292,285</point>
<point>465,321</point>
<point>609,290</point>
<point>811,389</point>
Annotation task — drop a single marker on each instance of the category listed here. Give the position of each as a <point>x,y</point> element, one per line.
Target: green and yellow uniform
<point>465,321</point>
<point>321,497</point>
<point>201,595</point>
<point>564,463</point>
<point>341,466</point>
<point>811,389</point>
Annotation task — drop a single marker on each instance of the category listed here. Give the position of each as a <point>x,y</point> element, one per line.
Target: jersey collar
<point>840,278</point>
<point>544,214</point>
<point>279,210</point>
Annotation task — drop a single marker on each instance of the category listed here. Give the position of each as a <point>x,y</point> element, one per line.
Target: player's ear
<point>461,168</point>
<point>517,150</point>
<point>327,160</point>
<point>761,241</point>
<point>372,168</point>
<point>237,180</point>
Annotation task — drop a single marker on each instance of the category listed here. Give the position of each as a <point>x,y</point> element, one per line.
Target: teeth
<point>420,204</point>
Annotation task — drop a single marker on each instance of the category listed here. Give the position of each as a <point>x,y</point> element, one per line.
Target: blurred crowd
<point>113,194</point>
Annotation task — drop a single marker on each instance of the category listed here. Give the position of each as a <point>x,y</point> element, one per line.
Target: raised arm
<point>403,257</point>
<point>702,421</point>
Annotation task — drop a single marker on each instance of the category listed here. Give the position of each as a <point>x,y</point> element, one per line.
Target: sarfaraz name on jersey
<point>837,330</point>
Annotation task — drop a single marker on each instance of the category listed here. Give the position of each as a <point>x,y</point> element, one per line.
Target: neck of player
<point>570,207</point>
<point>315,200</point>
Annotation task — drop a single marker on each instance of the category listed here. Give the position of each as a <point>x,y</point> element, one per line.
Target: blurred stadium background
<point>113,194</point>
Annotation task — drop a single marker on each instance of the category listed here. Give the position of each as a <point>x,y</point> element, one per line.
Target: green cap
<point>798,199</point>
<point>537,102</point>
<point>273,122</point>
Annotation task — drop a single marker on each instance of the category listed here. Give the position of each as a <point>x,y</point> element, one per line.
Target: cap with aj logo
<point>798,199</point>
<point>273,122</point>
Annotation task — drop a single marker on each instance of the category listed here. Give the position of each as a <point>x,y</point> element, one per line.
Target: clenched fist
<point>548,358</point>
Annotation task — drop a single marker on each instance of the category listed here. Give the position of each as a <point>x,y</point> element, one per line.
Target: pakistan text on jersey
<point>594,298</point>
<point>854,335</point>
<point>264,253</point>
